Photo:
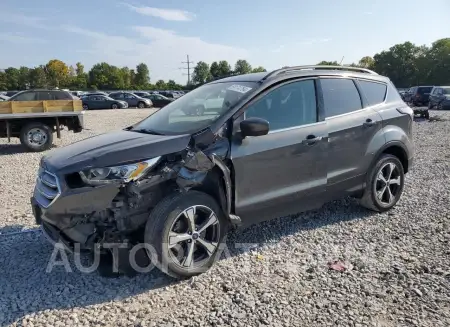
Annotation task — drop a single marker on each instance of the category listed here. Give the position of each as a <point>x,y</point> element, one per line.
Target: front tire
<point>114,106</point>
<point>186,233</point>
<point>384,185</point>
<point>141,105</point>
<point>85,107</point>
<point>36,137</point>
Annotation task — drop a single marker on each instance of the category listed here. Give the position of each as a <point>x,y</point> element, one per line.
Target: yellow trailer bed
<point>28,107</point>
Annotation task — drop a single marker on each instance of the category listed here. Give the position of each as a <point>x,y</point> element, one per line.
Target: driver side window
<point>290,105</point>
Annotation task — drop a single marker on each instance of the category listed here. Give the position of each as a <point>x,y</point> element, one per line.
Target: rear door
<point>352,124</point>
<point>283,172</point>
<point>131,99</point>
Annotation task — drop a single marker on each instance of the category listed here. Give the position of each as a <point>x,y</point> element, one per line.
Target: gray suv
<point>263,145</point>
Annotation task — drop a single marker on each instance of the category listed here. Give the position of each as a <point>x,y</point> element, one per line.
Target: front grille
<point>47,188</point>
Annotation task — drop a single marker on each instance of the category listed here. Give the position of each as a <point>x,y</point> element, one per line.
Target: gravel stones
<point>400,272</point>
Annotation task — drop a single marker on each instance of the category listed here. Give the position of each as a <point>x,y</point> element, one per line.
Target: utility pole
<point>341,60</point>
<point>188,63</point>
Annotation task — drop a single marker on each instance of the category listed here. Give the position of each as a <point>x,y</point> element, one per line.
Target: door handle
<point>312,139</point>
<point>369,123</point>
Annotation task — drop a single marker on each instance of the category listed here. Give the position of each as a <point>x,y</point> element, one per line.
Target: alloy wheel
<point>388,184</point>
<point>193,237</point>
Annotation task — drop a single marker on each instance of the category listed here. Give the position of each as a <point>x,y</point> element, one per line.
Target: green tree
<point>366,62</point>
<point>242,67</point>
<point>142,76</point>
<point>24,78</point>
<point>38,77</point>
<point>328,63</point>
<point>224,68</point>
<point>132,78</point>
<point>79,70</point>
<point>400,64</point>
<point>12,78</point>
<point>259,69</point>
<point>201,73</point>
<point>172,85</point>
<point>105,76</point>
<point>214,70</point>
<point>126,76</point>
<point>160,85</point>
<point>3,83</point>
<point>439,62</point>
<point>57,72</point>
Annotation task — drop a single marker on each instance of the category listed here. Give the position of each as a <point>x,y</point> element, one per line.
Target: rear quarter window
<point>375,93</point>
<point>59,95</point>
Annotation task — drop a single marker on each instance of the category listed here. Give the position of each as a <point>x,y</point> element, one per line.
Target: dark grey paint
<point>275,174</point>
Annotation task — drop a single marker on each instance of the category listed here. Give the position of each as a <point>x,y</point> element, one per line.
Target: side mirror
<point>254,127</point>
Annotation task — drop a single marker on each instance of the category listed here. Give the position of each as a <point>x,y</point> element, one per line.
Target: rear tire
<point>426,115</point>
<point>384,185</point>
<point>183,215</point>
<point>440,106</point>
<point>36,137</point>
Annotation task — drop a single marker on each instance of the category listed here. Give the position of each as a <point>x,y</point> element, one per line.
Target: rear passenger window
<point>340,96</point>
<point>374,92</point>
<point>290,105</point>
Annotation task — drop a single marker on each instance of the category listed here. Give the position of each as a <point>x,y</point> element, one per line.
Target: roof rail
<point>318,67</point>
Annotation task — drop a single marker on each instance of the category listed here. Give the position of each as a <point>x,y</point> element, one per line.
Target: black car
<point>167,94</point>
<point>418,95</point>
<point>102,102</point>
<point>159,100</point>
<point>440,98</point>
<point>268,145</point>
<point>39,95</point>
<point>132,99</point>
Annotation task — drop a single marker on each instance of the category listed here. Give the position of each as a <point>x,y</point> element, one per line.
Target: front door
<point>283,172</point>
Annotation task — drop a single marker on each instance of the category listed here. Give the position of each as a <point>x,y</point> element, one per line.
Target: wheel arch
<point>397,149</point>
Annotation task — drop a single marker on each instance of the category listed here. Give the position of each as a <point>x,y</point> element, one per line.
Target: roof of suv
<point>303,71</point>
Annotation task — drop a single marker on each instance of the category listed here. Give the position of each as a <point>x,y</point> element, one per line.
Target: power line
<point>188,63</point>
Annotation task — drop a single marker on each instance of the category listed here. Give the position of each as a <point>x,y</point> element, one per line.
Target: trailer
<point>34,122</point>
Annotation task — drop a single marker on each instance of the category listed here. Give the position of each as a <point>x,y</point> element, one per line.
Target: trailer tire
<point>36,137</point>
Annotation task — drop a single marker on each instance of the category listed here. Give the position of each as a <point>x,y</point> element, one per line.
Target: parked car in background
<point>440,98</point>
<point>78,94</point>
<point>159,100</point>
<point>4,98</point>
<point>418,95</point>
<point>141,94</point>
<point>41,95</point>
<point>132,99</point>
<point>282,142</point>
<point>167,94</point>
<point>102,102</point>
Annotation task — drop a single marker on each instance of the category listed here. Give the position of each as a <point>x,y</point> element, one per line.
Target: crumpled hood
<point>112,149</point>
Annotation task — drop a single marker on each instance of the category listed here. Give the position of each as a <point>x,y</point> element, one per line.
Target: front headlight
<point>125,173</point>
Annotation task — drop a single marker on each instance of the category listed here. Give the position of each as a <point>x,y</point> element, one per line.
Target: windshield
<point>197,109</point>
<point>446,90</point>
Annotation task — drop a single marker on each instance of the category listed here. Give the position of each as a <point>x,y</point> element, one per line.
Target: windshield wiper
<point>146,131</point>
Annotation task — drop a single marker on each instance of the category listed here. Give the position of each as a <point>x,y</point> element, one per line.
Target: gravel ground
<point>397,264</point>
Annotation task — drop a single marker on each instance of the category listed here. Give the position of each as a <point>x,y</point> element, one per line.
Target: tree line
<point>102,76</point>
<point>406,64</point>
